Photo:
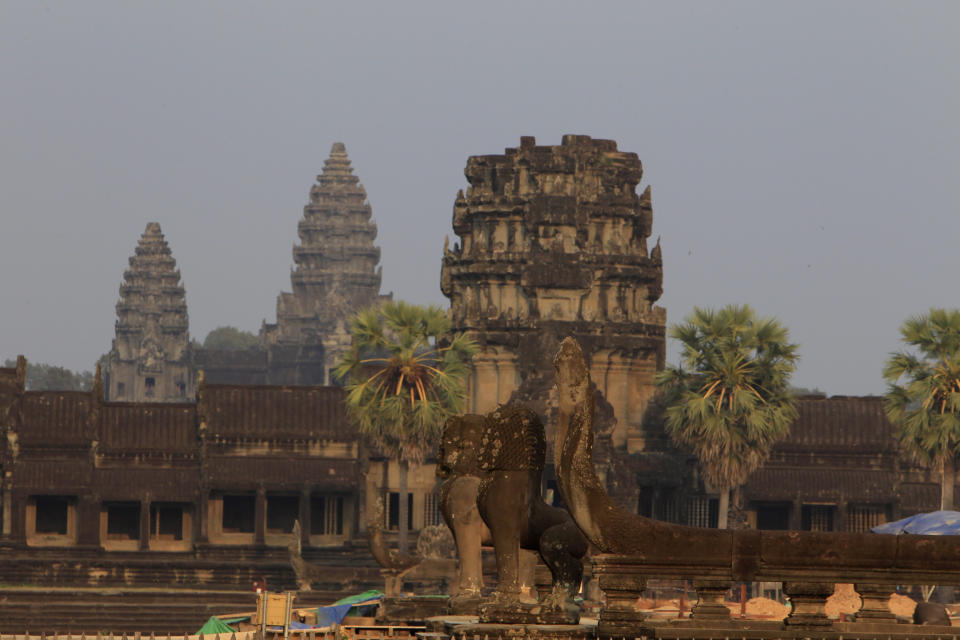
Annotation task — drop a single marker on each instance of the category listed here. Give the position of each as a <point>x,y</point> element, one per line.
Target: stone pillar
<point>260,516</point>
<point>304,516</point>
<point>710,597</point>
<point>874,606</point>
<point>507,376</point>
<point>642,371</point>
<point>201,521</point>
<point>358,510</point>
<point>808,601</point>
<point>88,520</point>
<point>18,515</point>
<point>542,578</point>
<point>145,523</point>
<point>796,516</point>
<point>5,509</point>
<point>620,618</point>
<point>486,383</point>
<point>618,395</point>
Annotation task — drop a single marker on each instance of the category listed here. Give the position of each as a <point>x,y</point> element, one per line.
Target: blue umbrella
<point>935,523</point>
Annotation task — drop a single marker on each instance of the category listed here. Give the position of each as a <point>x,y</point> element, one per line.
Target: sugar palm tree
<point>729,401</point>
<point>404,376</point>
<point>926,407</point>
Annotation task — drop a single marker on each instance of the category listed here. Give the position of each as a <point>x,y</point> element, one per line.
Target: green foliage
<point>925,407</point>
<point>405,376</point>
<point>49,377</point>
<point>231,339</point>
<point>729,401</point>
<point>799,392</point>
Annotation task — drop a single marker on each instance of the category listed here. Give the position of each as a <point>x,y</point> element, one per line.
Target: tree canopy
<point>729,400</point>
<point>807,391</point>
<point>402,379</point>
<point>923,392</point>
<point>50,377</point>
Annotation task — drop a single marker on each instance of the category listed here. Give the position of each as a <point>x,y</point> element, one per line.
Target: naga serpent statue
<point>632,547</point>
<point>497,461</point>
<point>606,524</point>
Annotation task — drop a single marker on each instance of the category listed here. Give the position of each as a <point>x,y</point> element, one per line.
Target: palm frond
<point>405,375</point>
<point>729,401</point>
<point>923,392</point>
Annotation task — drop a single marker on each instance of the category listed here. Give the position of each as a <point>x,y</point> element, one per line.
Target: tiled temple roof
<point>811,484</point>
<point>54,417</point>
<point>156,426</point>
<point>270,412</point>
<point>71,418</point>
<point>840,423</point>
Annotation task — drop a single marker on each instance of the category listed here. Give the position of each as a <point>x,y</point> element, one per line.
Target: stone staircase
<point>89,590</point>
<point>89,611</point>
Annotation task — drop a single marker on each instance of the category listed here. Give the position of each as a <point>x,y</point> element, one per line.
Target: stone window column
<point>260,516</point>
<point>842,514</point>
<point>17,516</point>
<point>796,516</point>
<point>201,523</point>
<point>305,516</point>
<point>6,528</point>
<point>88,520</point>
<point>145,524</point>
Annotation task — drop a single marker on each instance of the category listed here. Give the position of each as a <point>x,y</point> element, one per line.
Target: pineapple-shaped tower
<point>553,243</point>
<point>150,358</point>
<point>336,269</point>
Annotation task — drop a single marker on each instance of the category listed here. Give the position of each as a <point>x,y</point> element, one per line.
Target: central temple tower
<point>553,242</point>
<point>335,272</point>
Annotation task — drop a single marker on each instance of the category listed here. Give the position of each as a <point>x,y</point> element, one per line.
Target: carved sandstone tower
<point>150,358</point>
<point>553,243</point>
<point>336,272</point>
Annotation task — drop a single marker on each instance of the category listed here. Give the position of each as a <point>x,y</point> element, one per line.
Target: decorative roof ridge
<point>32,393</point>
<point>147,406</point>
<point>276,388</point>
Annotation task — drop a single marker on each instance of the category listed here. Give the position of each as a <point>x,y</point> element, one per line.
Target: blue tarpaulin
<point>331,615</point>
<point>935,523</point>
<point>299,625</point>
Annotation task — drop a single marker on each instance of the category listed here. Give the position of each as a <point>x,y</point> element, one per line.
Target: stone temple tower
<point>335,272</point>
<point>150,358</point>
<point>553,242</point>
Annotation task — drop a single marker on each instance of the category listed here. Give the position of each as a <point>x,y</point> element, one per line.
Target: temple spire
<point>335,263</point>
<point>150,358</point>
<point>336,168</point>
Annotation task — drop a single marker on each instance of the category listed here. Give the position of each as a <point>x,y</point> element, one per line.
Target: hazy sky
<point>803,157</point>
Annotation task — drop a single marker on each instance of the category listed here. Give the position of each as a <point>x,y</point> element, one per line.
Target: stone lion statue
<point>496,462</point>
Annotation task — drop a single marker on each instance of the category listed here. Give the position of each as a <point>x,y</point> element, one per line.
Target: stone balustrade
<point>808,564</point>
